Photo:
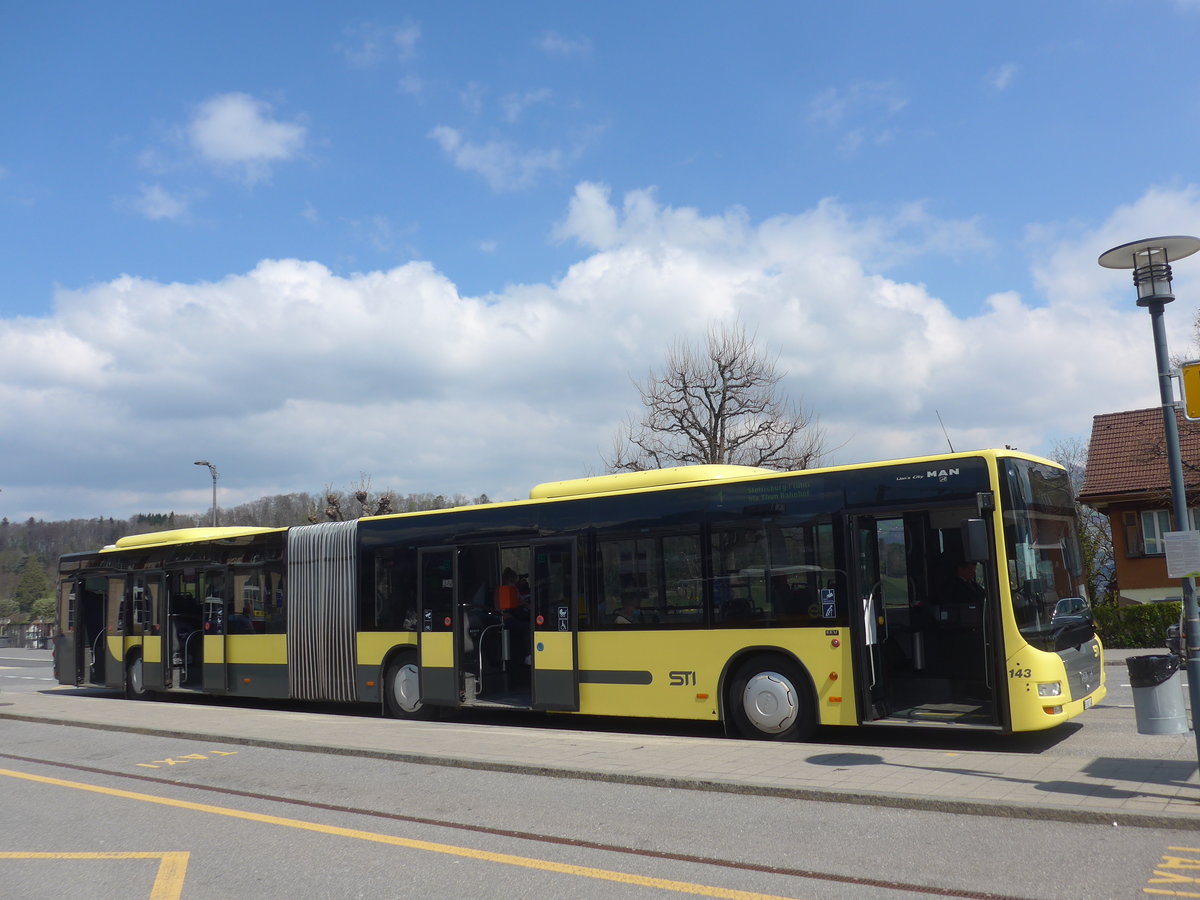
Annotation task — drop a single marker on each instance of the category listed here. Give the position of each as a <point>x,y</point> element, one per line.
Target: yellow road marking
<point>682,887</point>
<point>168,883</point>
<point>1169,871</point>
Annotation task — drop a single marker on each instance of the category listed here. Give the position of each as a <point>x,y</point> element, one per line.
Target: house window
<point>1156,523</point>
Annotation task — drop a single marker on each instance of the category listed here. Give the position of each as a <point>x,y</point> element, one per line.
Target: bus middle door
<point>555,597</point>
<point>148,614</point>
<point>214,614</point>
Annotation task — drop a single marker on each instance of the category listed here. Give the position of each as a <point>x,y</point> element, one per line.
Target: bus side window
<point>628,582</point>
<point>739,561</point>
<point>683,581</point>
<point>394,593</point>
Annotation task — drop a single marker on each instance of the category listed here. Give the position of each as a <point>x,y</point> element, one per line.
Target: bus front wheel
<point>402,691</point>
<point>770,701</point>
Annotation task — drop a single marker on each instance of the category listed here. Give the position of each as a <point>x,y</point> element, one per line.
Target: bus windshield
<point>1044,562</point>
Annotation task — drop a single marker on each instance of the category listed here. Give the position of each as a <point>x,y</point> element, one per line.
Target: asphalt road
<point>270,823</point>
<point>104,814</point>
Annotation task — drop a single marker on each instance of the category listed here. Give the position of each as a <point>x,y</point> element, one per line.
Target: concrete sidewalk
<point>1148,781</point>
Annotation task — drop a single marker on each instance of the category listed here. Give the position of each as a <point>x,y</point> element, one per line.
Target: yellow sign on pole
<point>1189,380</point>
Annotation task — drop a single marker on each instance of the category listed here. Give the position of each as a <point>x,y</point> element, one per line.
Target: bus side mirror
<point>974,540</point>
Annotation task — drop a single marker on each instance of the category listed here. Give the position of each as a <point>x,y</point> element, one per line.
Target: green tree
<point>1095,530</point>
<point>43,609</point>
<point>32,583</point>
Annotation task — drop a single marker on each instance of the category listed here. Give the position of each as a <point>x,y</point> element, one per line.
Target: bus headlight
<point>1050,689</point>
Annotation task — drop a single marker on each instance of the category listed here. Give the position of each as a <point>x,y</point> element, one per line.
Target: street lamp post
<point>213,471</point>
<point>1150,260</point>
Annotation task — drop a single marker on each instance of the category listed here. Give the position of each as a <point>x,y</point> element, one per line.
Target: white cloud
<point>236,132</point>
<point>367,44</point>
<point>156,203</point>
<point>290,376</point>
<point>404,39</point>
<point>502,164</point>
<point>834,106</point>
<point>471,97</point>
<point>1001,77</point>
<point>860,110</point>
<point>413,85</point>
<point>1064,256</point>
<point>513,105</point>
<point>554,44</point>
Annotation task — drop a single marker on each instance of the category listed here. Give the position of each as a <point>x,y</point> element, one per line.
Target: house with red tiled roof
<point>1128,480</point>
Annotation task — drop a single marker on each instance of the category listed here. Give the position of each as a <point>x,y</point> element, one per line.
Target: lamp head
<point>1150,260</point>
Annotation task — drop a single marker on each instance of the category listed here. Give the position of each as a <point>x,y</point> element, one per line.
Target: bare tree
<point>717,403</point>
<point>1095,530</point>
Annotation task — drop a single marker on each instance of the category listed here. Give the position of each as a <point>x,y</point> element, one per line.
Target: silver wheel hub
<point>135,676</point>
<point>770,703</point>
<point>406,688</point>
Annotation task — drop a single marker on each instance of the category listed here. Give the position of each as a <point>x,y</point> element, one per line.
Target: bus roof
<point>185,536</point>
<point>651,478</point>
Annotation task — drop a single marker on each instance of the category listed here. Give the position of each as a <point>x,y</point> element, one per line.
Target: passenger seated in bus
<point>243,622</point>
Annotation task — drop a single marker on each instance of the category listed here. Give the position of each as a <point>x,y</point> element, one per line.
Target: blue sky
<point>433,243</point>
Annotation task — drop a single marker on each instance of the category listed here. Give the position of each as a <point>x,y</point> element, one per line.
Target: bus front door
<point>555,597</point>
<point>868,617</point>
<point>921,654</point>
<point>438,649</point>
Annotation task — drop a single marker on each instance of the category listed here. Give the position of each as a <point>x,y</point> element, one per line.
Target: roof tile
<point>1127,454</point>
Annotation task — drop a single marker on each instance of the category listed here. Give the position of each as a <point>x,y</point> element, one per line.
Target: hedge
<point>1144,625</point>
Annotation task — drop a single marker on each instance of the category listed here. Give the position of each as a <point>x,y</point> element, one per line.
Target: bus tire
<point>135,679</point>
<point>402,690</point>
<point>770,700</point>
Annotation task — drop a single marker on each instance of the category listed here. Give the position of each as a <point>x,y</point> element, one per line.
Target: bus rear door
<point>80,625</point>
<point>438,649</point>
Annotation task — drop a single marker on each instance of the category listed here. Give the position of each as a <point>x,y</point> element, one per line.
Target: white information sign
<point>1183,553</point>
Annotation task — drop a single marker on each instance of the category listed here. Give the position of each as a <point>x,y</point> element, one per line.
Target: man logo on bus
<point>941,474</point>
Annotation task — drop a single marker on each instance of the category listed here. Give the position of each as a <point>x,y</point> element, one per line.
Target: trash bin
<point>1157,694</point>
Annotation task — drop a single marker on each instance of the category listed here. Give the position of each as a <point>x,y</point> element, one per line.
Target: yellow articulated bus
<point>921,591</point>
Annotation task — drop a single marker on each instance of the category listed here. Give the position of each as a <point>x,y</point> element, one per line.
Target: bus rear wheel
<point>135,680</point>
<point>402,691</point>
<point>769,700</point>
